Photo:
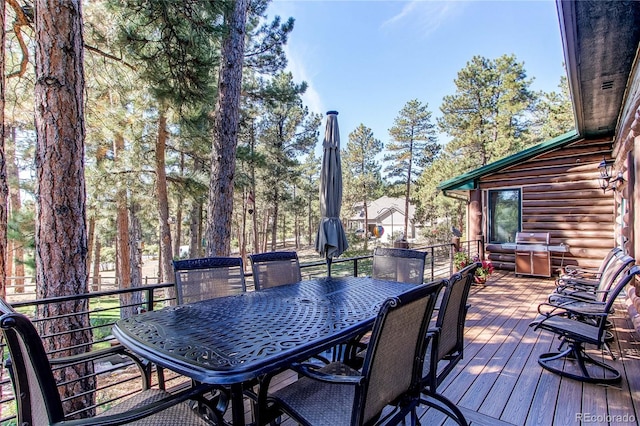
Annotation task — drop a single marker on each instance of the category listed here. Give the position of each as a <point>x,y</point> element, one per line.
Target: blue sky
<point>367,59</point>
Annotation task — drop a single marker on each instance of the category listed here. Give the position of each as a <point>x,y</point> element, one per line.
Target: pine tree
<point>488,117</point>
<point>413,146</point>
<point>360,162</point>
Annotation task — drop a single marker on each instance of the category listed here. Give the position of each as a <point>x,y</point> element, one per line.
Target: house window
<point>504,215</point>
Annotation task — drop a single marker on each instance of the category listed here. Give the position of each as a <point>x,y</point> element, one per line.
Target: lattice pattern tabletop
<point>238,338</point>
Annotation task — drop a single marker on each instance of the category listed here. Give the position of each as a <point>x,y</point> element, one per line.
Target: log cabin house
<point>554,187</point>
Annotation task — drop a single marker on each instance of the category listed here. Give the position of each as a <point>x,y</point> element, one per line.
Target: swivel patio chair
<point>578,293</point>
<point>207,278</point>
<point>38,400</point>
<point>337,394</point>
<point>275,268</point>
<point>446,342</point>
<point>402,265</point>
<point>574,362</point>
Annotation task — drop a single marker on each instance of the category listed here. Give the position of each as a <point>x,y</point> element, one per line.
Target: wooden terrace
<point>499,381</point>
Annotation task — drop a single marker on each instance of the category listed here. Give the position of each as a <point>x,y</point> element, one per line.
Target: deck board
<point>499,381</point>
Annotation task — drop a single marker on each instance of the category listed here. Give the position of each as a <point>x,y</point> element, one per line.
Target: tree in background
<point>61,237</point>
<point>286,131</point>
<point>489,116</point>
<point>4,188</point>
<point>226,120</point>
<point>553,115</point>
<point>309,184</point>
<point>413,147</point>
<point>363,169</point>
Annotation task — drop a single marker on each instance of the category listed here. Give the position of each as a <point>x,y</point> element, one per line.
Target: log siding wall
<point>560,195</point>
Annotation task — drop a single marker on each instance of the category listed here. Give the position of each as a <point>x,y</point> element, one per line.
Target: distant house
<point>385,212</point>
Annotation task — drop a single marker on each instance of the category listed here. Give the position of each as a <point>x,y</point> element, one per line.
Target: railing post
<point>150,301</point>
<point>355,267</point>
<point>433,262</point>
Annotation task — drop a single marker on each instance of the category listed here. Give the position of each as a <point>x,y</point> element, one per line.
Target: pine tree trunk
<point>180,199</point>
<point>135,262</point>
<point>91,230</point>
<point>166,254</point>
<point>123,252</point>
<point>274,222</point>
<point>225,132</point>
<point>15,257</point>
<point>195,229</point>
<point>95,285</point>
<point>4,188</point>
<point>61,238</point>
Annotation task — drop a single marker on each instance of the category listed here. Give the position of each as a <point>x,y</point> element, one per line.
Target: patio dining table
<point>237,339</point>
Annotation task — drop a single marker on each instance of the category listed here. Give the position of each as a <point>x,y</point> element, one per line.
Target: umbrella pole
<point>329,260</point>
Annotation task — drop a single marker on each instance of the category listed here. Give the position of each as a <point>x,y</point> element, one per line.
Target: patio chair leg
<point>576,352</point>
<point>444,405</point>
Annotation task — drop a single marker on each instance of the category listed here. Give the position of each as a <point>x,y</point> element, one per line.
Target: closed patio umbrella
<point>331,240</point>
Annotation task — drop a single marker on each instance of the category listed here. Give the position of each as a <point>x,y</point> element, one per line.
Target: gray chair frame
<point>338,394</point>
<point>397,264</point>
<point>37,397</point>
<point>568,323</point>
<point>275,268</point>
<point>208,278</point>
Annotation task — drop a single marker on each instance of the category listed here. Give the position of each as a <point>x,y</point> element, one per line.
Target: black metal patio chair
<point>396,264</point>
<point>207,278</point>
<point>337,394</point>
<point>577,328</point>
<point>38,400</point>
<point>446,342</point>
<point>275,268</point>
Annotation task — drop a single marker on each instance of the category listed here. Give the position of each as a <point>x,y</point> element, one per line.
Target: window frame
<point>490,213</point>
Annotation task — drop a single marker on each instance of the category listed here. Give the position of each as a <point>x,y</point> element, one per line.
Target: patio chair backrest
<point>401,265</point>
<point>275,268</point>
<point>573,271</point>
<point>447,341</point>
<point>607,260</point>
<point>389,372</point>
<point>37,396</point>
<point>208,278</point>
<point>612,274</point>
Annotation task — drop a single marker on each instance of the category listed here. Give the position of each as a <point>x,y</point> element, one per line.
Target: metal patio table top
<point>236,339</point>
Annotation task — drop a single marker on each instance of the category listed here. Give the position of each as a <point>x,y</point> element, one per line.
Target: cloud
<point>423,15</point>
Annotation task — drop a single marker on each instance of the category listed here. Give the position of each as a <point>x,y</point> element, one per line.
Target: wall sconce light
<point>606,173</point>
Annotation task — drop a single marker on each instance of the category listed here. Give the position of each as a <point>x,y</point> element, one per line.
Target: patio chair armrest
<point>140,412</point>
<point>94,355</point>
<point>552,309</point>
<point>327,373</point>
<point>568,309</point>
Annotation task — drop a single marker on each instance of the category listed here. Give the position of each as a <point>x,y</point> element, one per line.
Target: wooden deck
<point>499,380</point>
